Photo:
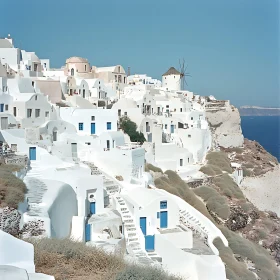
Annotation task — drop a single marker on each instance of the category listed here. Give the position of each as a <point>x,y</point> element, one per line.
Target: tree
<point>129,127</point>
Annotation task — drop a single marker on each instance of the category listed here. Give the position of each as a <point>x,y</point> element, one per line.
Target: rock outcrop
<point>225,126</point>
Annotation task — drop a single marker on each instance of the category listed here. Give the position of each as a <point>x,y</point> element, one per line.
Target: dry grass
<point>219,159</point>
<point>211,170</point>
<point>12,189</point>
<point>67,259</point>
<point>175,185</point>
<point>228,187</point>
<point>150,167</point>
<point>266,268</point>
<point>214,201</point>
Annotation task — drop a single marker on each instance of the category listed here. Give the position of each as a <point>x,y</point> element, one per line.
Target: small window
<point>15,111</point>
<point>29,113</point>
<point>85,68</point>
<point>99,82</point>
<point>6,107</point>
<point>181,162</point>
<point>47,114</point>
<point>163,204</point>
<point>81,126</point>
<point>33,86</point>
<point>93,118</point>
<point>165,126</point>
<point>125,113</point>
<point>158,215</point>
<point>37,113</point>
<point>109,125</point>
<point>119,112</point>
<point>189,136</point>
<point>191,118</point>
<point>167,106</point>
<point>181,109</point>
<point>36,97</point>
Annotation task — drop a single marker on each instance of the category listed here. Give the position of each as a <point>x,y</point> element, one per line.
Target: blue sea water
<point>265,130</point>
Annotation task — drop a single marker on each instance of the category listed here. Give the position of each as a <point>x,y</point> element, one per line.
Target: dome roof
<point>4,43</point>
<point>76,59</point>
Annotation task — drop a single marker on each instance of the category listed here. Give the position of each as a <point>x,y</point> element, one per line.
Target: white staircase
<point>36,189</point>
<point>110,186</point>
<point>132,233</point>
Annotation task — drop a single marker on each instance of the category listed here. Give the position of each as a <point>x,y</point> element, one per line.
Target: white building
<point>90,121</point>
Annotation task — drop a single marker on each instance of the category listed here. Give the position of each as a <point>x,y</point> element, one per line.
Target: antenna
<point>183,73</point>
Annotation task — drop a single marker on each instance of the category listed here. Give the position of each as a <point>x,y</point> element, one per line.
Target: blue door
<point>150,242</point>
<point>163,219</point>
<point>92,208</point>
<point>172,128</point>
<point>87,235</point>
<point>32,153</point>
<point>92,128</point>
<point>143,225</point>
<point>1,107</point>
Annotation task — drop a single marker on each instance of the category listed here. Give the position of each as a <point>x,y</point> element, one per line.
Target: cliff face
<point>225,127</point>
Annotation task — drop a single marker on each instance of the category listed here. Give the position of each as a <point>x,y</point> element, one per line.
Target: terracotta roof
<point>171,71</point>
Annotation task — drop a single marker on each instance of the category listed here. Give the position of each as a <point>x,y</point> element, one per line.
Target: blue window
<point>109,125</point>
<point>163,204</point>
<point>81,126</point>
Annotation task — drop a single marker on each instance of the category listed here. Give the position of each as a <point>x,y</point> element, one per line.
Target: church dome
<point>76,59</point>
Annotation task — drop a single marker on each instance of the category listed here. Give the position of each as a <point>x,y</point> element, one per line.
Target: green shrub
<point>246,206</point>
<point>175,185</point>
<point>246,172</point>
<point>211,170</point>
<point>214,201</point>
<point>261,233</point>
<point>228,186</point>
<point>150,167</point>
<point>235,270</point>
<point>219,159</point>
<point>248,165</point>
<point>130,128</point>
<point>134,272</point>
<point>258,171</point>
<point>266,268</point>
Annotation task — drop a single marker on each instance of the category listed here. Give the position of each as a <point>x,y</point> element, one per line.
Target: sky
<point>231,48</point>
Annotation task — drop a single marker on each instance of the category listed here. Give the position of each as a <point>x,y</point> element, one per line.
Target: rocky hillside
<point>253,235</point>
<point>225,126</point>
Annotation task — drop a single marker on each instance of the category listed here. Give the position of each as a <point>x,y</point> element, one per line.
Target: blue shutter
<point>109,125</point>
<point>81,126</point>
<point>92,128</point>
<point>163,204</point>
<point>143,225</point>
<point>92,208</point>
<point>1,107</point>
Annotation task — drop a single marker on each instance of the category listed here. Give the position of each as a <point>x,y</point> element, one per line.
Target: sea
<point>265,130</point>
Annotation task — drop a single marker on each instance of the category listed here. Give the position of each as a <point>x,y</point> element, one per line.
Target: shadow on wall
<point>61,211</point>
